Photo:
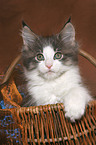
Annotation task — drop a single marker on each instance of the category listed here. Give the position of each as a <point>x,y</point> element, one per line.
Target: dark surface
<point>45,17</point>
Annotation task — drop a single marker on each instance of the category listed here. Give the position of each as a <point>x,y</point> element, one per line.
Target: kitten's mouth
<point>50,72</point>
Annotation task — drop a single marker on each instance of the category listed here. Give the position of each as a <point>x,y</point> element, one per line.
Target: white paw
<point>54,100</point>
<point>75,103</point>
<point>74,113</point>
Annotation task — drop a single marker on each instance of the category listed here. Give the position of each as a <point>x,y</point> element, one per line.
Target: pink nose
<point>48,66</point>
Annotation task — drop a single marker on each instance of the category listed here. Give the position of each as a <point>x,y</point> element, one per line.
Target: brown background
<point>46,17</point>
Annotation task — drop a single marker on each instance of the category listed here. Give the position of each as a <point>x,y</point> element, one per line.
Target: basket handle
<point>86,55</point>
<point>8,73</point>
<point>10,69</point>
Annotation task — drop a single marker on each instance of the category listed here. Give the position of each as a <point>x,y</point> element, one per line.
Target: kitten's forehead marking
<point>48,51</point>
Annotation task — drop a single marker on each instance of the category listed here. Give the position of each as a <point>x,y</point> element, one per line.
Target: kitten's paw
<point>75,103</point>
<point>74,113</point>
<point>54,100</point>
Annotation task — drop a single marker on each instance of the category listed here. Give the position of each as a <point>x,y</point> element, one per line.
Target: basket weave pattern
<point>48,125</point>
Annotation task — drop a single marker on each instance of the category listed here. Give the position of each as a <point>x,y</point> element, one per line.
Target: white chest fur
<point>53,91</point>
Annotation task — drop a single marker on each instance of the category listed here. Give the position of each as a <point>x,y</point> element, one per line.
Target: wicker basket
<point>39,125</point>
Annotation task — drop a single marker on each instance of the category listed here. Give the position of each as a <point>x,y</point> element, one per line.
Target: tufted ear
<point>67,34</point>
<point>28,36</point>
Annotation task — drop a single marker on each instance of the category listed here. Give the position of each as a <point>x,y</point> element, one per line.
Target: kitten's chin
<point>50,75</point>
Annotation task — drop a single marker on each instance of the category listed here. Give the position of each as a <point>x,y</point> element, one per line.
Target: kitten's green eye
<point>40,57</point>
<point>58,55</point>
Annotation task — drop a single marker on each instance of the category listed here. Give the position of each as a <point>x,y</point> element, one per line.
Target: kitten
<point>51,70</point>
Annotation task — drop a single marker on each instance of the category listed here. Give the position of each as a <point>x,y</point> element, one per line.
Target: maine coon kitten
<point>51,70</point>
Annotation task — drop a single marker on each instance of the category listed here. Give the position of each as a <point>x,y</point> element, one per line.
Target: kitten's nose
<point>48,66</point>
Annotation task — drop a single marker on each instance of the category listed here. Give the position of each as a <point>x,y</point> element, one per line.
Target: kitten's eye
<point>58,55</point>
<point>40,57</point>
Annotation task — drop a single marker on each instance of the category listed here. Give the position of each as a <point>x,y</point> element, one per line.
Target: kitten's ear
<point>67,34</point>
<point>27,35</point>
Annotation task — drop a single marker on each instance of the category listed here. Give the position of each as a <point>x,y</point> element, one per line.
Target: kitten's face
<point>50,65</point>
<point>50,56</point>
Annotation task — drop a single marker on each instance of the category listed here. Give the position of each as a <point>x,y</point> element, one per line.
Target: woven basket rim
<point>91,103</point>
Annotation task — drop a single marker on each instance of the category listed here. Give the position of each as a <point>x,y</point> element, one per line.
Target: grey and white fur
<point>52,72</point>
